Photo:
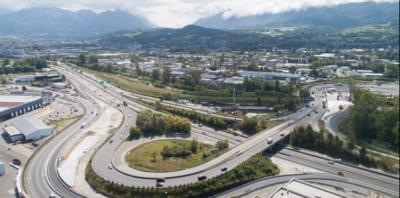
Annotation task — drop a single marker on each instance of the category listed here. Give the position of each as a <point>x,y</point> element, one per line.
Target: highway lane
<point>40,176</point>
<point>371,177</point>
<point>356,179</point>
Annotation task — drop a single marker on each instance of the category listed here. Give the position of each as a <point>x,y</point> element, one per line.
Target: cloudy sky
<point>177,13</point>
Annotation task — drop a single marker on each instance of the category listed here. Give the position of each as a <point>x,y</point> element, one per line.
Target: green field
<point>142,157</point>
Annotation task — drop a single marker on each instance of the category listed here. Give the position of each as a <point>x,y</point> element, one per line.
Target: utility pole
<point>234,97</point>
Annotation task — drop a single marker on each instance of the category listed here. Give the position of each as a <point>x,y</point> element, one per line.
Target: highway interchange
<point>41,177</point>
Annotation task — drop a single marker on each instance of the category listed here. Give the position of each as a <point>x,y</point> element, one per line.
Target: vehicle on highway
<point>200,125</point>
<point>82,126</point>
<point>201,177</point>
<point>52,195</point>
<point>16,162</point>
<point>330,162</point>
<point>160,179</point>
<point>224,169</point>
<point>269,140</point>
<point>111,141</point>
<point>282,134</point>
<point>109,166</point>
<point>340,173</point>
<point>159,185</point>
<point>308,114</point>
<point>338,160</point>
<point>124,103</point>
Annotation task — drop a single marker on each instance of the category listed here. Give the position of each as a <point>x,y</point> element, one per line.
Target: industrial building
<point>299,189</point>
<point>27,129</point>
<point>269,75</point>
<point>14,105</point>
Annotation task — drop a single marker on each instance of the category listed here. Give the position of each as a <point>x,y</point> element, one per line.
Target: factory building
<point>27,129</point>
<point>13,105</point>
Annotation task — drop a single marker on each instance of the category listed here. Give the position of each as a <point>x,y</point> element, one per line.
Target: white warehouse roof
<point>32,128</point>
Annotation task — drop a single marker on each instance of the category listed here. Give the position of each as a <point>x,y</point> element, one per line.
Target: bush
<point>134,133</point>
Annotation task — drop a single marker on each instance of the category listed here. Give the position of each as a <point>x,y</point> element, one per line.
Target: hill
<point>50,21</point>
<point>337,17</point>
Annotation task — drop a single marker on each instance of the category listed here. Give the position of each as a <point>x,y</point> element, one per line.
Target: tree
<point>138,70</point>
<point>249,125</point>
<point>222,145</point>
<point>155,74</point>
<point>292,69</point>
<point>81,60</point>
<point>134,133</point>
<point>194,146</point>
<point>6,61</point>
<point>166,75</point>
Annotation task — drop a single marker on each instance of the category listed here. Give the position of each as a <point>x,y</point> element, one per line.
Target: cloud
<point>177,13</point>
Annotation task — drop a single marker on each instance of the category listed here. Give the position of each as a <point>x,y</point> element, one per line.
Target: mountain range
<point>51,21</point>
<point>338,17</point>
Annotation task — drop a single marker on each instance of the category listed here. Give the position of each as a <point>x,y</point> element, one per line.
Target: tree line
<point>150,124</point>
<point>324,142</point>
<point>23,65</point>
<point>373,118</point>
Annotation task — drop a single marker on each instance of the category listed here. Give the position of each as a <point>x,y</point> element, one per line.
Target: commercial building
<point>299,189</point>
<point>14,105</point>
<point>27,129</point>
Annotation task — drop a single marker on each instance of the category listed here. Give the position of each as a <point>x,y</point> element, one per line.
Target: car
<point>35,144</point>
<point>200,125</point>
<point>16,162</point>
<point>330,162</point>
<point>159,185</point>
<point>109,166</point>
<point>201,177</point>
<point>52,195</point>
<point>282,134</point>
<point>223,169</point>
<point>340,173</point>
<point>111,141</point>
<point>160,179</point>
<point>308,114</point>
<point>269,140</point>
<point>338,160</point>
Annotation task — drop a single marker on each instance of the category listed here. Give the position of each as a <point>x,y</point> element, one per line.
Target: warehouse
<point>27,129</point>
<point>14,105</point>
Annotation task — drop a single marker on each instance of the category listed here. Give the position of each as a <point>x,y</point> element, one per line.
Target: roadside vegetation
<point>23,65</point>
<point>324,142</point>
<point>254,168</point>
<point>373,121</point>
<point>151,124</point>
<point>173,154</point>
<point>254,125</point>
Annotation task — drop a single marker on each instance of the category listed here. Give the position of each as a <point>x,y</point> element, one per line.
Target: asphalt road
<point>43,179</point>
<point>41,176</point>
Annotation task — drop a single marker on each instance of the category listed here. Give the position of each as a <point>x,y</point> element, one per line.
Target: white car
<point>269,140</point>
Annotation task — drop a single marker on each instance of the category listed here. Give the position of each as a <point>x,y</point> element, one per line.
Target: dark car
<point>160,180</point>
<point>202,177</point>
<point>16,162</point>
<point>224,169</point>
<point>340,173</point>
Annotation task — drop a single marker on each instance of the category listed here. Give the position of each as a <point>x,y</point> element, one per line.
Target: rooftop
<point>10,101</point>
<point>29,125</point>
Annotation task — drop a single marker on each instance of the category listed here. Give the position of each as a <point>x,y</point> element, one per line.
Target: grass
<point>141,157</point>
<point>60,125</point>
<point>134,86</point>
